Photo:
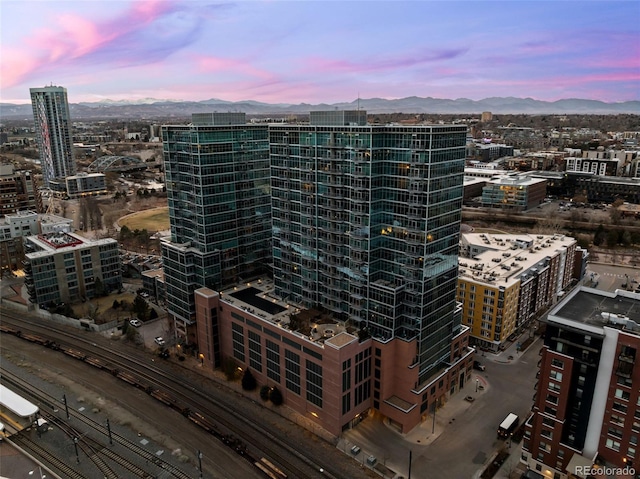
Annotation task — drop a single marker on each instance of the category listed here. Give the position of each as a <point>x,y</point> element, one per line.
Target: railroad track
<point>90,446</point>
<point>224,422</point>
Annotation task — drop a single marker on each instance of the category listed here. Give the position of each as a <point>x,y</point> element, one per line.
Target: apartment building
<point>365,228</point>
<point>17,190</point>
<point>65,267</point>
<point>506,281</point>
<point>53,132</point>
<point>218,184</point>
<point>586,414</point>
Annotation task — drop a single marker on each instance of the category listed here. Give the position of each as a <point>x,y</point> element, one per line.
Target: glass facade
<point>53,131</point>
<point>218,190</point>
<point>366,223</point>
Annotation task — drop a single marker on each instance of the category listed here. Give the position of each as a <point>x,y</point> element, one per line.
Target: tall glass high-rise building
<point>53,132</point>
<point>366,223</point>
<point>217,176</point>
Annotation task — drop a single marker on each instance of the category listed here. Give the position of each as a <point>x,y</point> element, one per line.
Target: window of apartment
<point>622,394</point>
<point>552,399</point>
<point>619,407</point>
<point>273,361</point>
<point>615,432</point>
<point>314,383</point>
<point>551,411</point>
<point>556,363</point>
<point>545,447</point>
<point>633,440</point>
<point>614,445</point>
<point>292,368</point>
<point>555,375</point>
<point>546,433</point>
<point>631,452</point>
<point>255,351</point>
<point>237,338</point>
<point>554,387</point>
<point>617,419</point>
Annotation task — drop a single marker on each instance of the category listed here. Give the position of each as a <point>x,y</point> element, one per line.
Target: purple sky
<point>321,51</point>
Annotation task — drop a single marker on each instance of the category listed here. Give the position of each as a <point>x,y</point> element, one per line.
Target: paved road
<point>465,432</point>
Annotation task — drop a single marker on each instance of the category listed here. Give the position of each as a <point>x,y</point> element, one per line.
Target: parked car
<point>160,341</point>
<point>136,323</point>
<point>479,366</point>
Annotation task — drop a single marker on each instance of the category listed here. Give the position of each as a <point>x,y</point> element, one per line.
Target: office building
<point>53,132</point>
<point>366,224</point>
<point>217,177</point>
<point>514,192</point>
<point>507,281</point>
<point>587,405</point>
<point>65,267</point>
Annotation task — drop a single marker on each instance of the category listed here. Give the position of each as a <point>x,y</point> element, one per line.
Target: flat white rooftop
<point>16,403</point>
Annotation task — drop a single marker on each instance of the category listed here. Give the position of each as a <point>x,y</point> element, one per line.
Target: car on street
<point>478,366</point>
<point>136,323</point>
<point>160,341</point>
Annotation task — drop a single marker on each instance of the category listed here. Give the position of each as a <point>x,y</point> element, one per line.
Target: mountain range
<point>150,108</point>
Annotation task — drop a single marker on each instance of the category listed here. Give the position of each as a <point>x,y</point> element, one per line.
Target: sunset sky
<point>320,51</point>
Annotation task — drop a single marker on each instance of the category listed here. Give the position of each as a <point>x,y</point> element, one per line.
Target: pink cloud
<point>227,65</point>
<point>73,39</point>
<point>384,64</point>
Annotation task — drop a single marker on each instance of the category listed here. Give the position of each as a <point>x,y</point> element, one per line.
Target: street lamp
<point>477,381</point>
<point>201,359</point>
<point>200,463</point>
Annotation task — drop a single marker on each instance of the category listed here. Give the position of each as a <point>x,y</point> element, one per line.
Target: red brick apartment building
<point>585,420</point>
<point>325,369</point>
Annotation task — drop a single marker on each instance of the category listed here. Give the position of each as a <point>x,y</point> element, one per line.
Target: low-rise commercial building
<point>327,369</point>
<point>514,192</point>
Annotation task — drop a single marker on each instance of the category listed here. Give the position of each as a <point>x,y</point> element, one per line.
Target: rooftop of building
<point>590,310</point>
<point>504,259</point>
<point>315,324</point>
<point>61,242</point>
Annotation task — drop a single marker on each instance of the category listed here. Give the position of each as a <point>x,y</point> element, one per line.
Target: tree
<point>265,391</point>
<point>276,397</point>
<point>116,304</point>
<point>230,367</point>
<point>153,314</point>
<point>140,308</point>
<point>99,289</point>
<point>599,236</point>
<point>249,382</point>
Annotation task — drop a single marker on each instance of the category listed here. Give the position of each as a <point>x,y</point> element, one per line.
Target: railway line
<point>271,454</point>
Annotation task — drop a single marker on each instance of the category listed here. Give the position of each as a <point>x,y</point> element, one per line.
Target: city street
<point>465,432</point>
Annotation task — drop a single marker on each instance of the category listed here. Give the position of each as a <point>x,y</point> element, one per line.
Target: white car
<point>160,341</point>
<point>136,323</point>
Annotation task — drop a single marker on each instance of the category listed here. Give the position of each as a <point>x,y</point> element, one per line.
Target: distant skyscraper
<point>53,131</point>
<point>366,223</point>
<point>217,176</point>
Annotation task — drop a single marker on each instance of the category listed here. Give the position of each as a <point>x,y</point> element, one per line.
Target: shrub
<point>265,391</point>
<point>276,397</point>
<point>249,383</point>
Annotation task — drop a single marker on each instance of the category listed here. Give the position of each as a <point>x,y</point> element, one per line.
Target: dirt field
<point>153,220</point>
